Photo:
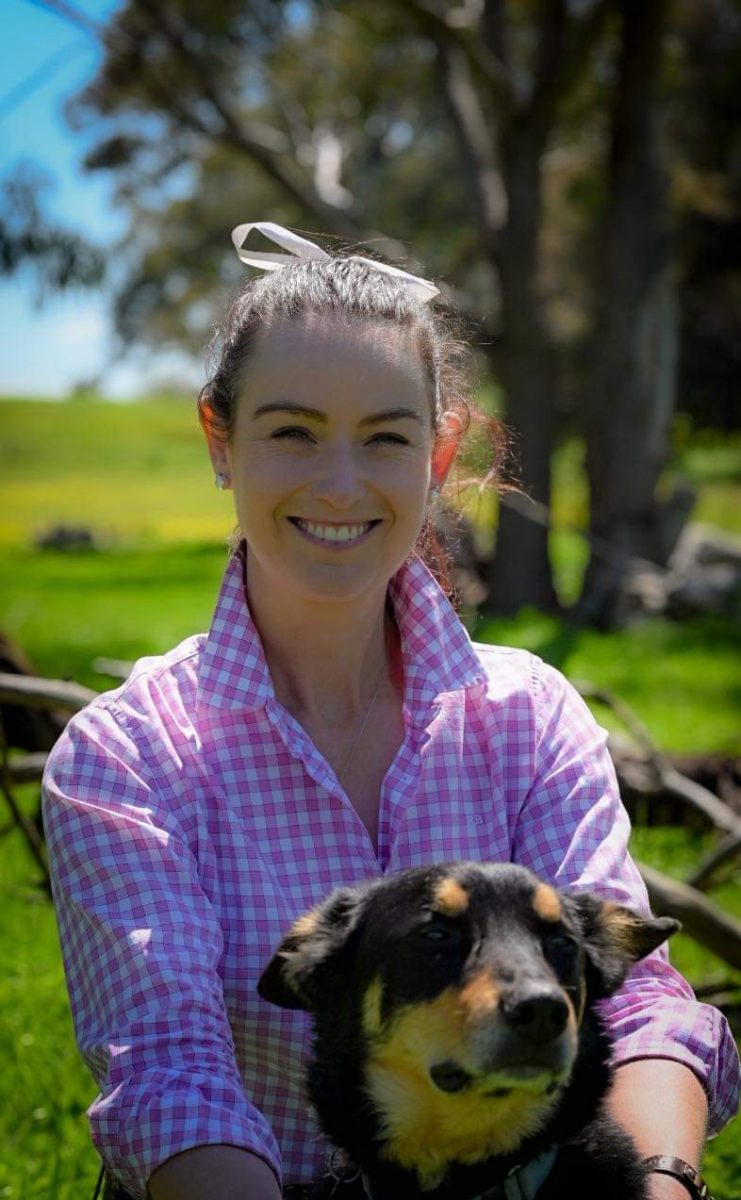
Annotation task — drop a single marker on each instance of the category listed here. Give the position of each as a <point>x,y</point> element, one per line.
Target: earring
<point>434,494</point>
<point>221,481</point>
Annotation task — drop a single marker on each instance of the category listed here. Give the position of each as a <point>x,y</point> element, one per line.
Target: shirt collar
<point>437,651</point>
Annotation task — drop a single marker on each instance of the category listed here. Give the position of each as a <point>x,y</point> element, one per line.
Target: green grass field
<point>138,476</point>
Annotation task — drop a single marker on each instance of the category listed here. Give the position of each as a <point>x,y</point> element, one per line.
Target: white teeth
<point>334,533</point>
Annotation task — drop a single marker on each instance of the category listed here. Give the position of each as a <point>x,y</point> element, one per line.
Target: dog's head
<point>464,988</point>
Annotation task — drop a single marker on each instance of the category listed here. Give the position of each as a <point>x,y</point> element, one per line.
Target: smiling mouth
<point>333,535</point>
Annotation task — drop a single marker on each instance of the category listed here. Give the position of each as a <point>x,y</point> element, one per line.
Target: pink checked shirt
<point>190,820</point>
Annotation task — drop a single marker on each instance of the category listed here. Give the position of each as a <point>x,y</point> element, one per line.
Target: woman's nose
<point>338,482</point>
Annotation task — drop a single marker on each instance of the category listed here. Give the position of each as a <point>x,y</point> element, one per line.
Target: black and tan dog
<point>457,1051</point>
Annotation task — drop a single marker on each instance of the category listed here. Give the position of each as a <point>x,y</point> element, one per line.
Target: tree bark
<point>631,396</point>
<point>520,572</point>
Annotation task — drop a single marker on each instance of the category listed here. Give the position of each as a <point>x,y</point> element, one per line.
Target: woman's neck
<point>326,660</point>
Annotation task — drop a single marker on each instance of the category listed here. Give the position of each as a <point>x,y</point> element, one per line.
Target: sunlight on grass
<point>129,472</point>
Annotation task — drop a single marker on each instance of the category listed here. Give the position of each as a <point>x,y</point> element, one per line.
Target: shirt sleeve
<point>141,945</point>
<point>573,829</point>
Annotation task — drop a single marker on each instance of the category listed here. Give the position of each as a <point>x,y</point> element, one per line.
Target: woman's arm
<point>141,943</point>
<point>663,1107</point>
<point>214,1173</point>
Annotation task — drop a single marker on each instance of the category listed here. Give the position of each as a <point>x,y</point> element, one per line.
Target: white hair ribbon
<point>301,248</point>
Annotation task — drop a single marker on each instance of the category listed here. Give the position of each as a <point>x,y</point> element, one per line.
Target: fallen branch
<point>33,838</point>
<point>701,919</point>
<point>27,769</point>
<point>727,849</point>
<point>44,693</point>
<point>117,668</point>
<point>668,780</point>
<point>716,986</point>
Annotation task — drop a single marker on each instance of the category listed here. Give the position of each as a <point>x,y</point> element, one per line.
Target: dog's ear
<point>615,938</point>
<point>299,971</point>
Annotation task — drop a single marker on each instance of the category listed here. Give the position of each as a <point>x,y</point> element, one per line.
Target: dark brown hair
<point>349,291</point>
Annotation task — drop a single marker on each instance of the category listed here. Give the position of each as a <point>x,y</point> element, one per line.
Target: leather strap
<point>665,1164</point>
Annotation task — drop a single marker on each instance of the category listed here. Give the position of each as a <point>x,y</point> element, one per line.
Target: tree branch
<point>35,692</point>
<point>564,45</point>
<point>449,25</point>
<point>701,919</point>
<point>666,777</point>
<point>264,145</point>
<point>474,131</point>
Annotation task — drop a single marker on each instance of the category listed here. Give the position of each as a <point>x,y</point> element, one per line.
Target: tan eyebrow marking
<point>450,898</point>
<point>547,903</point>
<point>480,997</point>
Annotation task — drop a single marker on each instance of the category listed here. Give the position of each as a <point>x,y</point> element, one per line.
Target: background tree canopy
<point>569,171</point>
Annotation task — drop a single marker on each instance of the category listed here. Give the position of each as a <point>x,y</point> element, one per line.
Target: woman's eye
<point>292,431</point>
<point>388,439</point>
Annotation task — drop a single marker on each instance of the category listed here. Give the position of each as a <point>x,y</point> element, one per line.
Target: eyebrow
<point>302,410</point>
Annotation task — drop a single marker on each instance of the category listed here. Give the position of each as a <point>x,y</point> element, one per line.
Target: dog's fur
<point>455,1029</point>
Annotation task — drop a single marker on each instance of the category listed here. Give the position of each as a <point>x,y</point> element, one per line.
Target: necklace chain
<point>361,730</point>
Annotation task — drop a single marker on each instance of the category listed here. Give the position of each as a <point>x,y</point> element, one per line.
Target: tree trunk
<point>631,398</point>
<point>520,572</point>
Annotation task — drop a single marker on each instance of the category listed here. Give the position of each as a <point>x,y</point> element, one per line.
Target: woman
<point>335,723</point>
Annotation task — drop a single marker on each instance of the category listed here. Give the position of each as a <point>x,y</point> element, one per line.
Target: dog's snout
<point>540,1014</point>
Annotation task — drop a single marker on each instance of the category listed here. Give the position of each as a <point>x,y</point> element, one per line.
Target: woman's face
<point>331,458</point>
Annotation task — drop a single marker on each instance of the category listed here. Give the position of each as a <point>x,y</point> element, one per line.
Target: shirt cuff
<point>685,1031</point>
<point>137,1128</point>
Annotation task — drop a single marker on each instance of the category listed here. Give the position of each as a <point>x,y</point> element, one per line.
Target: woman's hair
<point>348,291</point>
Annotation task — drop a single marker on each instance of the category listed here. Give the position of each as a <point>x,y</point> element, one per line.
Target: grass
<point>44,1089</point>
<point>136,472</point>
<point>139,476</point>
<point>67,610</point>
<point>682,680</point>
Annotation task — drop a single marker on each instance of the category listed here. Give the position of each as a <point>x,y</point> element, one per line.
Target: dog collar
<point>522,1182</point>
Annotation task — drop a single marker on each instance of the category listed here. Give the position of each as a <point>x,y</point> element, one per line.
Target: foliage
<point>519,148</point>
<point>28,240</point>
<point>336,114</point>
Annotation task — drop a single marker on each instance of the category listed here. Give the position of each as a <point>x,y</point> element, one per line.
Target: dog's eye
<point>563,943</point>
<point>435,933</point>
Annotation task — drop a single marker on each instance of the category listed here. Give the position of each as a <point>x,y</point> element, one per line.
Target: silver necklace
<point>356,740</point>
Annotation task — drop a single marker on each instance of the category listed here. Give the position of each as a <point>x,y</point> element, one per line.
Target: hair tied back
<point>302,248</point>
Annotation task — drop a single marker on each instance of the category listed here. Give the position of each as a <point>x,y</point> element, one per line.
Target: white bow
<point>299,247</point>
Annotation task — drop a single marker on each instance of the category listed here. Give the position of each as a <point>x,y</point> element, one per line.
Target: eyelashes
<point>297,432</point>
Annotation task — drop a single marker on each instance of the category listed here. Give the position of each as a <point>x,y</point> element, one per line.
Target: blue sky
<point>45,351</point>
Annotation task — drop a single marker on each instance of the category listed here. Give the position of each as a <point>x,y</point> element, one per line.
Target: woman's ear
<point>445,449</point>
<point>218,446</point>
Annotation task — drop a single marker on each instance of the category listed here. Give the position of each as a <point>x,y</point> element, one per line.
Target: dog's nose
<point>539,1014</point>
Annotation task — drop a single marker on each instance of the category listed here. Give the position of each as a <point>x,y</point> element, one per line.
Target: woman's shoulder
<point>509,668</point>
<point>520,677</point>
<point>157,698</point>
